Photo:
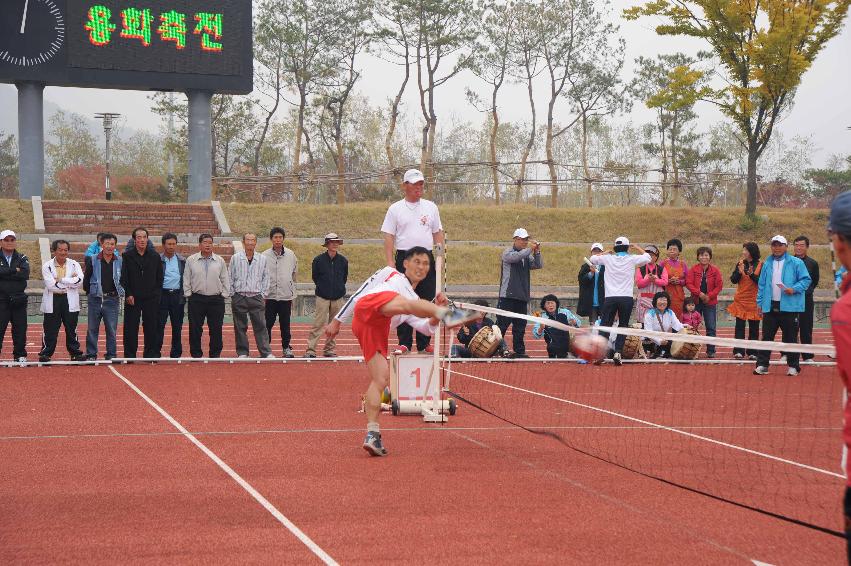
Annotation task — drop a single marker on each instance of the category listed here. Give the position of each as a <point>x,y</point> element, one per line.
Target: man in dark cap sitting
<point>839,229</point>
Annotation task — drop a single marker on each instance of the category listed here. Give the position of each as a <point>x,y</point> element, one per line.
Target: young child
<point>466,333</point>
<point>691,317</point>
<point>558,340</point>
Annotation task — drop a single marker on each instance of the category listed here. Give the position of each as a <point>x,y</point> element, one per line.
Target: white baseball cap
<point>521,233</point>
<point>622,241</point>
<point>413,176</point>
<point>6,233</point>
<point>597,246</point>
<point>777,238</point>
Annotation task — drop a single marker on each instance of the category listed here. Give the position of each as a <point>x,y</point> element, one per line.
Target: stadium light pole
<point>107,118</point>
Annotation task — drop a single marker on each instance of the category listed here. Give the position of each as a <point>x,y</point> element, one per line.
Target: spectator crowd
<point>157,289</point>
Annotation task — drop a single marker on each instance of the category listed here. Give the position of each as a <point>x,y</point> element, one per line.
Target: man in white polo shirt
<point>619,285</point>
<point>412,222</point>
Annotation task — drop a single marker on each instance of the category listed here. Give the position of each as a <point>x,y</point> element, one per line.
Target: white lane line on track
<point>290,526</point>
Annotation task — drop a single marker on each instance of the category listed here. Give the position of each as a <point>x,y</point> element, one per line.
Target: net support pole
<point>433,412</point>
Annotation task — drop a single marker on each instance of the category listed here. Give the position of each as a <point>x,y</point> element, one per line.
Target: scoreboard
<point>128,44</point>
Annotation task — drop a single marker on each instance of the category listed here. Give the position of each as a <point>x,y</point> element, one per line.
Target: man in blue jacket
<point>780,300</point>
<point>102,283</point>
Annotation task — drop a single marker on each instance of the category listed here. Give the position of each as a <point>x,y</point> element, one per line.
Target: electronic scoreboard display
<point>128,44</point>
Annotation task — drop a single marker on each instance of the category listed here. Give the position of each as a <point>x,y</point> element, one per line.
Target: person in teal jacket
<point>782,283</point>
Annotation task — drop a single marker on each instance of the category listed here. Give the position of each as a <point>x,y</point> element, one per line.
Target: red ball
<point>590,347</point>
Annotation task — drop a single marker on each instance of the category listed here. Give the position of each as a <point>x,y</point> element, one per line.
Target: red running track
<point>93,474</point>
<point>346,343</point>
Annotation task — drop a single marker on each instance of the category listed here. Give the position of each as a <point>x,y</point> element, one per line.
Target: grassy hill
<point>491,223</point>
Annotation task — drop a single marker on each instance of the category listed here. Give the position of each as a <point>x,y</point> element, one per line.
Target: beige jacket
<point>212,280</point>
<point>282,274</point>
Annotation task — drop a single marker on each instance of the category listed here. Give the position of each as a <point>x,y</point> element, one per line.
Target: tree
<point>573,29</point>
<point>525,58</point>
<point>304,33</point>
<point>596,89</point>
<point>8,166</point>
<point>397,41</point>
<point>444,30</point>
<point>764,49</point>
<point>827,183</point>
<point>337,88</point>
<point>671,86</point>
<point>73,145</point>
<point>490,63</point>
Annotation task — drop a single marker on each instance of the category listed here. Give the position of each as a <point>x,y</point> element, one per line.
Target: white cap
<point>6,233</point>
<point>413,176</point>
<point>777,238</point>
<point>622,241</point>
<point>597,246</point>
<point>521,233</point>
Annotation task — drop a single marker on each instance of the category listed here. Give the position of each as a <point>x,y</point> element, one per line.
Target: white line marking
<point>655,425</point>
<point>324,556</point>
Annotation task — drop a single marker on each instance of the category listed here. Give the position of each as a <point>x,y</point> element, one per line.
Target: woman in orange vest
<point>746,276</point>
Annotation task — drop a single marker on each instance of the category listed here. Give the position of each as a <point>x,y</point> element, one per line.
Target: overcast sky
<point>822,104</point>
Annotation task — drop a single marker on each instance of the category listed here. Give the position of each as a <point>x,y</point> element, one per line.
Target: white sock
<point>372,427</point>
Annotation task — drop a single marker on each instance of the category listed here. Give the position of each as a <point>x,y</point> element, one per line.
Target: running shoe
<point>793,372</point>
<point>760,370</point>
<point>288,353</point>
<point>617,359</point>
<point>739,355</point>
<point>401,349</point>
<point>310,355</point>
<point>372,444</point>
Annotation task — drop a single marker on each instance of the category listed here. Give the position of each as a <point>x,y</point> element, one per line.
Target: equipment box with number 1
<point>415,384</point>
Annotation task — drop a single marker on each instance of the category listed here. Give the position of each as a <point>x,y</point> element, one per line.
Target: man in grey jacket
<point>282,265</point>
<point>518,261</point>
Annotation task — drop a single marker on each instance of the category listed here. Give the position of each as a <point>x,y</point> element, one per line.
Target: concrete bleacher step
<point>84,217</point>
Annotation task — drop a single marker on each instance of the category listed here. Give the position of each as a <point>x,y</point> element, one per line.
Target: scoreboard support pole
<point>200,145</point>
<point>30,139</point>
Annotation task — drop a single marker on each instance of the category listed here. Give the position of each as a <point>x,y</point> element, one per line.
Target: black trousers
<point>554,352</point>
<point>172,307</point>
<point>148,311</point>
<point>281,311</point>
<point>805,323</point>
<point>17,315</point>
<point>622,307</point>
<point>518,325</point>
<point>212,309</point>
<point>426,289</point>
<point>61,316</point>
<point>753,334</point>
<point>787,322</point>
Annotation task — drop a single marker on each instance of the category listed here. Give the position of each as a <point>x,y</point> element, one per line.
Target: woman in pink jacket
<point>650,279</point>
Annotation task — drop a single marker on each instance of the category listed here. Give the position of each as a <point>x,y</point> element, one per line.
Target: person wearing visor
<point>780,300</point>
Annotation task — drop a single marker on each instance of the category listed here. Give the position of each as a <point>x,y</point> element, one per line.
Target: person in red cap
<point>840,323</point>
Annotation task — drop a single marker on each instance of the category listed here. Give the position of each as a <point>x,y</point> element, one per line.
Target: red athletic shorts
<point>370,327</point>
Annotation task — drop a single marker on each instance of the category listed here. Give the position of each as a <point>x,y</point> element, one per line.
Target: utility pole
<point>107,118</point>
<point>168,145</point>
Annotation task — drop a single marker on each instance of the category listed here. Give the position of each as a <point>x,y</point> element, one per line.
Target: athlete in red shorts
<point>386,300</point>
